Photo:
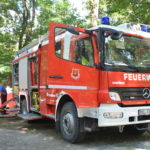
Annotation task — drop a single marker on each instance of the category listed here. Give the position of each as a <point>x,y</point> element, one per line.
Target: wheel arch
<point>23,96</point>
<point>60,102</point>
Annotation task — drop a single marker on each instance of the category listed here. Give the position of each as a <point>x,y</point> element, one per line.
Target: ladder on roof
<point>34,43</point>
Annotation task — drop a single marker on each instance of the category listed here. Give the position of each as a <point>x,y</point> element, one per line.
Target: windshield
<point>127,54</point>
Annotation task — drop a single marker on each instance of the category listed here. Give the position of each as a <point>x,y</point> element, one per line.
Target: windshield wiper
<point>133,68</point>
<point>116,63</point>
<point>124,67</point>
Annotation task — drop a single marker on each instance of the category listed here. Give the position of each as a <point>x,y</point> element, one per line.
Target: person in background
<point>3,93</point>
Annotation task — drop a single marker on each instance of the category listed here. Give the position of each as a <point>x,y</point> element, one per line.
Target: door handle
<point>55,77</point>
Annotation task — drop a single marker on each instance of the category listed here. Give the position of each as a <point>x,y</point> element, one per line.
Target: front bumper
<point>130,115</point>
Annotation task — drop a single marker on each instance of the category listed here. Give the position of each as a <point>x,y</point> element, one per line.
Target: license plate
<point>143,112</point>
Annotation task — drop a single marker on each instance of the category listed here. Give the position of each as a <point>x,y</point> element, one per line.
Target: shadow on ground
<point>105,138</point>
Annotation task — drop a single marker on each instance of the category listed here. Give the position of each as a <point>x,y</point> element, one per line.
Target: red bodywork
<point>96,81</point>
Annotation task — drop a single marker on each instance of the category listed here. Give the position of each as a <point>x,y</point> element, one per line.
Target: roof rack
<point>136,27</point>
<point>34,43</point>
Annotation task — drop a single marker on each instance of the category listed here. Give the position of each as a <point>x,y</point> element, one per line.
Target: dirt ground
<point>17,134</point>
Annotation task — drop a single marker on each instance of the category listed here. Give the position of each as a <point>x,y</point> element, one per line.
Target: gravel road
<point>17,134</point>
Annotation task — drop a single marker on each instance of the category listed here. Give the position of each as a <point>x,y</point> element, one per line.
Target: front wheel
<point>70,125</point>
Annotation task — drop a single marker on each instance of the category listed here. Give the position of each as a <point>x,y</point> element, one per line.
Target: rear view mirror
<point>116,35</point>
<point>72,30</point>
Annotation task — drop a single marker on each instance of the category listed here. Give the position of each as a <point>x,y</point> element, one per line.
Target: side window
<point>58,48</point>
<point>75,48</point>
<point>84,52</point>
<point>62,43</point>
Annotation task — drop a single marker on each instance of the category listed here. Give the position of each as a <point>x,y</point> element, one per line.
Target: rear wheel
<point>70,125</point>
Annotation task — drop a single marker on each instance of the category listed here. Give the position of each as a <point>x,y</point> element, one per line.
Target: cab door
<point>71,68</point>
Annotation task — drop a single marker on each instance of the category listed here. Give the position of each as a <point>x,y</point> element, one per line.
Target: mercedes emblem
<point>146,93</point>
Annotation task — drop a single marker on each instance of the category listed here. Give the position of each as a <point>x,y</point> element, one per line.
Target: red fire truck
<point>85,79</point>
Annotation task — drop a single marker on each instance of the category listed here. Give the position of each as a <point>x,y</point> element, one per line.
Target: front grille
<point>142,118</point>
<point>130,93</point>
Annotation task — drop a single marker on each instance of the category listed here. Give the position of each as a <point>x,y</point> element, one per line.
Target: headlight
<point>114,96</point>
<point>113,115</point>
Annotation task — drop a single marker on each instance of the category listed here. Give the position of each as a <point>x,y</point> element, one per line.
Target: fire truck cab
<point>85,79</point>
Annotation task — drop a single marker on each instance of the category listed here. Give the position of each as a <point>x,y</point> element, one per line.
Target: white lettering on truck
<point>136,77</point>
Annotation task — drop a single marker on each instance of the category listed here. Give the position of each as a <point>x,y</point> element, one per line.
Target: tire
<point>70,124</point>
<point>24,110</point>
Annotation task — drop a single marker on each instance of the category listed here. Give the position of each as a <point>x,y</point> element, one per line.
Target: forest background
<point>22,21</point>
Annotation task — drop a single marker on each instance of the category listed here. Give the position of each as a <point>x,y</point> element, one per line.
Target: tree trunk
<point>30,24</point>
<point>95,12</point>
<point>25,21</point>
<point>93,6</point>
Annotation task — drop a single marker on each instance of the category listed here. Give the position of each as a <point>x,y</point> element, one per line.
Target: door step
<point>30,116</point>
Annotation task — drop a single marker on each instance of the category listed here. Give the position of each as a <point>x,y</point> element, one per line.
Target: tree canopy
<point>123,11</point>
<point>21,21</point>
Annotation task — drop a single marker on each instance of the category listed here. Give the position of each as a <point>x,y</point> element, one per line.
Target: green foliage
<point>121,11</point>
<point>59,11</point>
<point>7,48</point>
<point>21,21</point>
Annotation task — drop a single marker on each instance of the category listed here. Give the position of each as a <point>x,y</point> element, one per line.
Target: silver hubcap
<point>68,123</point>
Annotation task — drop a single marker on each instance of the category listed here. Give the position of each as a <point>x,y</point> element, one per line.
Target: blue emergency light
<point>105,20</point>
<point>144,28</point>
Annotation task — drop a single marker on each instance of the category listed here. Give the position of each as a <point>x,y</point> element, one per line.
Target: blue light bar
<point>144,28</point>
<point>105,20</point>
